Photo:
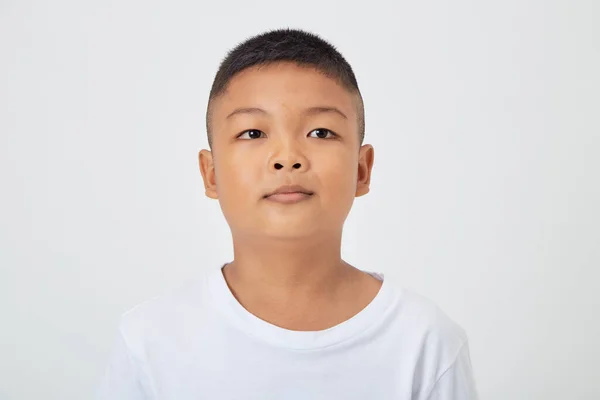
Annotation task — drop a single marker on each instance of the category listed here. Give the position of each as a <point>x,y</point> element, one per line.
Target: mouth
<point>289,194</point>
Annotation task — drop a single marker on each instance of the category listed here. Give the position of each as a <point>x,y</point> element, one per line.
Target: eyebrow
<point>308,111</point>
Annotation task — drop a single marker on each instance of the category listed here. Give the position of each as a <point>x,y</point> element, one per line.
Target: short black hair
<point>293,45</point>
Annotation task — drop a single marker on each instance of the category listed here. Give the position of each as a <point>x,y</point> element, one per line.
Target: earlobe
<point>207,169</point>
<point>366,158</point>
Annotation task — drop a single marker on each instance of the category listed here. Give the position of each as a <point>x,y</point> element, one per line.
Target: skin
<point>287,266</point>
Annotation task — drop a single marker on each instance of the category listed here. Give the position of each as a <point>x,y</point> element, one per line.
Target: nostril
<point>297,165</point>
<point>278,166</point>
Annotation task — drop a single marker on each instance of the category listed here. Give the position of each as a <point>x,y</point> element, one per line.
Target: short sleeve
<point>122,375</point>
<point>457,382</point>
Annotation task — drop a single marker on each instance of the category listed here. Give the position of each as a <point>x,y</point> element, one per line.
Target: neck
<point>288,267</point>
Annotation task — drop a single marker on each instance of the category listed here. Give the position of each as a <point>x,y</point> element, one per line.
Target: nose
<point>280,166</point>
<point>290,158</point>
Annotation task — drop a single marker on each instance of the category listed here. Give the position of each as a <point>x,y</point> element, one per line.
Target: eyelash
<point>332,134</point>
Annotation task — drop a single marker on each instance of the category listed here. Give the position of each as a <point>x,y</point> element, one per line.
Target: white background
<point>486,124</point>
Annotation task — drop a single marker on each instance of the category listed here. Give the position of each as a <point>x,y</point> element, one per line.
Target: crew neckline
<point>230,308</point>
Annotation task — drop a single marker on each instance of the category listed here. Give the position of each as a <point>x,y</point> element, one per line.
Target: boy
<point>287,318</point>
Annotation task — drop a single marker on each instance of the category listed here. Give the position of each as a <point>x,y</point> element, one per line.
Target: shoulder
<point>423,342</point>
<point>432,341</point>
<point>443,365</point>
<point>422,328</point>
<point>162,315</point>
<point>429,320</point>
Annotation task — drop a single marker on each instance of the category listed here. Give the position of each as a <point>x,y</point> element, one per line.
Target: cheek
<point>237,177</point>
<point>338,175</point>
<point>237,191</point>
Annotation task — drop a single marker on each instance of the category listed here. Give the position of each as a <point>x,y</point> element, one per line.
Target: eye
<point>251,134</point>
<point>322,133</point>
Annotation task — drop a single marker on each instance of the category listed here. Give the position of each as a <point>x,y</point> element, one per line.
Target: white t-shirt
<point>198,342</point>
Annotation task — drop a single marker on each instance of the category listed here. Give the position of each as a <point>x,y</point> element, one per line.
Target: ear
<point>207,169</point>
<point>366,157</point>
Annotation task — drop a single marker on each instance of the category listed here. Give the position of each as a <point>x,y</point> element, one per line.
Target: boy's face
<point>281,135</point>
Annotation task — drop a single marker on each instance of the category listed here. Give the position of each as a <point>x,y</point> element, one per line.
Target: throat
<point>347,296</point>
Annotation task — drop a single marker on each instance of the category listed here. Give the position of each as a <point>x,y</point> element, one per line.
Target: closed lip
<point>290,189</point>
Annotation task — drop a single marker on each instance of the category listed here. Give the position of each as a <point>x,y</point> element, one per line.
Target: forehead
<point>284,86</point>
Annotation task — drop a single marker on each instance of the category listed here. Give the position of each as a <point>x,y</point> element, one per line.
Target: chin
<point>298,230</point>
